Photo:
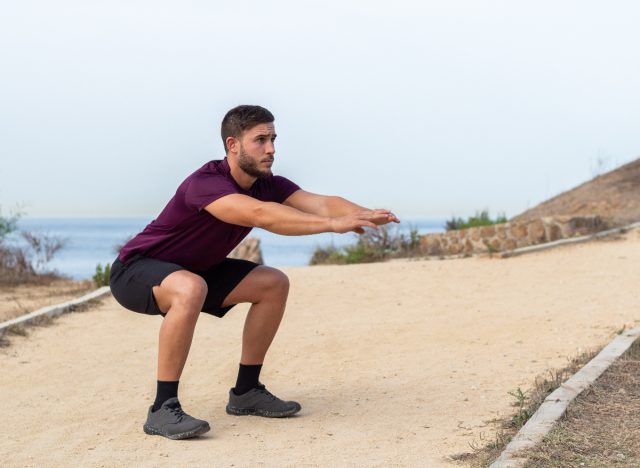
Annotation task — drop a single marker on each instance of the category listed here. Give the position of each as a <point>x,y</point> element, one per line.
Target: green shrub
<point>101,278</point>
<point>327,255</point>
<point>8,224</point>
<point>481,218</point>
<point>372,246</point>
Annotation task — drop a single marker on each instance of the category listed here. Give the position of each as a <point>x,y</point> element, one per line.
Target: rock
<point>586,224</point>
<point>509,244</point>
<point>430,244</point>
<point>468,247</point>
<point>249,249</point>
<point>518,231</point>
<point>536,231</point>
<point>501,231</point>
<point>487,231</point>
<point>553,232</point>
<point>424,243</point>
<point>495,245</point>
<point>455,249</point>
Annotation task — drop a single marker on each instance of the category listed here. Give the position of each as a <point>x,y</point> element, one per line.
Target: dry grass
<point>602,426</point>
<point>21,299</point>
<point>487,448</point>
<point>23,330</point>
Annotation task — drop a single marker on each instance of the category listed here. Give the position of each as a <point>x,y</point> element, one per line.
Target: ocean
<point>90,241</point>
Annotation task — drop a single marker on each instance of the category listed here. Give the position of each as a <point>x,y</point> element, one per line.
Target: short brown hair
<point>242,118</point>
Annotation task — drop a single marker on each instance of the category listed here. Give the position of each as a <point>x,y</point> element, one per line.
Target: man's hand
<point>357,221</point>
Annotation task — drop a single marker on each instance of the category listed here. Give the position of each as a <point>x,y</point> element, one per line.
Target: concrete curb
<point>555,404</point>
<point>573,240</point>
<point>54,310</point>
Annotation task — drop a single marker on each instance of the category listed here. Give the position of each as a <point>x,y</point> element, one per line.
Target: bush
<point>26,263</point>
<point>327,255</point>
<point>43,248</point>
<point>372,246</point>
<point>8,225</point>
<point>101,277</point>
<point>481,218</point>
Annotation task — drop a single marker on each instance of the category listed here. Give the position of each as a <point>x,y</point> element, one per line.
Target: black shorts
<point>132,283</point>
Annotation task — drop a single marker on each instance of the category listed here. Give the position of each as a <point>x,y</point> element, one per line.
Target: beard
<point>249,166</point>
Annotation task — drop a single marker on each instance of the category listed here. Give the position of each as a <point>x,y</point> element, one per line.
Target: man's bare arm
<point>247,211</point>
<point>321,204</point>
<point>332,206</point>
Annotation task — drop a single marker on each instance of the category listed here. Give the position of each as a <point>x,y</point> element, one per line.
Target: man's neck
<point>243,179</point>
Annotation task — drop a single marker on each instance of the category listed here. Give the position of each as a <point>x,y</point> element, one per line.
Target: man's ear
<point>233,145</point>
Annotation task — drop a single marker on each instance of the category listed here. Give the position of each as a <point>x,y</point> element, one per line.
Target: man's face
<point>257,150</point>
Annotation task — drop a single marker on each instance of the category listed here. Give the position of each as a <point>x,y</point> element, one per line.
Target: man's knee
<point>194,289</point>
<point>277,283</point>
<point>271,283</point>
<point>182,288</point>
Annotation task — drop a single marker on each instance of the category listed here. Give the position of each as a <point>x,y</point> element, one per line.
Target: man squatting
<point>178,266</point>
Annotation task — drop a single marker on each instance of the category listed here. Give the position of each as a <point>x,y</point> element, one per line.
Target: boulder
<point>553,232</point>
<point>487,231</point>
<point>509,244</point>
<point>248,249</point>
<point>519,230</point>
<point>536,231</point>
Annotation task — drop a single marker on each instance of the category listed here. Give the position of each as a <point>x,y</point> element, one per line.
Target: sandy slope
<point>400,363</point>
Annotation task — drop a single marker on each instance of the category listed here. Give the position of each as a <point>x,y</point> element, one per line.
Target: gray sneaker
<point>260,402</point>
<point>170,421</point>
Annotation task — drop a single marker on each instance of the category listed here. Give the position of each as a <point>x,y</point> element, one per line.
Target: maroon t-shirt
<point>186,234</point>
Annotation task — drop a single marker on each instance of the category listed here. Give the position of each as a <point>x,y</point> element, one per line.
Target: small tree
<point>43,248</point>
<point>8,224</point>
<point>101,277</point>
<point>25,263</point>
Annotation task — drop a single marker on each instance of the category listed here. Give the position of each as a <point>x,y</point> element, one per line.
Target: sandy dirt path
<point>395,364</point>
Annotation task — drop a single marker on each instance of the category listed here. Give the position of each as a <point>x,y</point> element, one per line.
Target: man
<point>177,266</point>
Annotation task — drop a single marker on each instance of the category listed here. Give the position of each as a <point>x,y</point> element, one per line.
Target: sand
<point>395,364</point>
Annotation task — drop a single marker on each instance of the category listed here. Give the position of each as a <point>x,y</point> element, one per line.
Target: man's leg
<point>267,290</point>
<point>180,296</point>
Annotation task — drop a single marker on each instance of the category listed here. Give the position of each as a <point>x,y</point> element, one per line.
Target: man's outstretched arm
<point>243,210</point>
<point>331,206</point>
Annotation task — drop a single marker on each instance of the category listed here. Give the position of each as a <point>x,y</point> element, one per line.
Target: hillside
<point>614,196</point>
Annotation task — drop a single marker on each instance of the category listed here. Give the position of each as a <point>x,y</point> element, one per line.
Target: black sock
<point>248,376</point>
<point>165,391</point>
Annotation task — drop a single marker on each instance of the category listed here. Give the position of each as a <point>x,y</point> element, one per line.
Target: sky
<point>429,108</point>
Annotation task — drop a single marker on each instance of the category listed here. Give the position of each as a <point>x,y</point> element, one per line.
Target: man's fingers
<point>374,215</point>
<point>365,223</point>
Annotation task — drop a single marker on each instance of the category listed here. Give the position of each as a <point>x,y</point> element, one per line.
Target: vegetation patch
<point>373,246</point>
<point>601,427</point>
<point>481,218</point>
<point>26,262</point>
<point>23,329</point>
<point>101,276</point>
<point>525,402</point>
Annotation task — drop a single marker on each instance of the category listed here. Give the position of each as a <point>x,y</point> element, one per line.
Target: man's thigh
<point>221,280</point>
<point>262,281</point>
<point>132,283</point>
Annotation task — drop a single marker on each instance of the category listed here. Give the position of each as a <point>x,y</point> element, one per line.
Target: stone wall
<point>509,236</point>
<point>249,249</point>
